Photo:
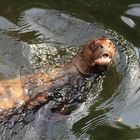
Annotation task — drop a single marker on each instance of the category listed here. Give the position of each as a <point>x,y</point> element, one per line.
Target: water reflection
<point>134,10</point>
<point>45,30</point>
<point>128,21</point>
<point>130,14</point>
<point>6,25</point>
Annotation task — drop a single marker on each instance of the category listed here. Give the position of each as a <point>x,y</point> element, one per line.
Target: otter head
<point>97,54</point>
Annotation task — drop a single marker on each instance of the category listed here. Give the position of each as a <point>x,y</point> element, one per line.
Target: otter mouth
<point>104,59</point>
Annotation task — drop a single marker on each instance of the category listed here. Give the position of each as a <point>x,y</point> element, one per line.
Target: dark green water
<point>121,16</point>
<point>108,12</point>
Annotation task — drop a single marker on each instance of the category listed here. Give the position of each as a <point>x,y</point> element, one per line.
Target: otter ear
<point>86,51</point>
<point>92,45</point>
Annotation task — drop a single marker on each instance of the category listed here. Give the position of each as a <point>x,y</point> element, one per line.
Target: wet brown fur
<point>14,92</point>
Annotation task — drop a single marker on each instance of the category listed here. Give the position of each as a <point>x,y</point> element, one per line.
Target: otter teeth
<point>105,59</point>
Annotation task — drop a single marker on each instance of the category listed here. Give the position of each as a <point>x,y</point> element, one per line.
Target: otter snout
<point>105,51</point>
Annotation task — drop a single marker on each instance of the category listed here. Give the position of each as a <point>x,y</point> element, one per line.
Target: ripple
<point>6,25</point>
<point>134,10</point>
<point>111,106</point>
<point>131,15</point>
<point>128,21</point>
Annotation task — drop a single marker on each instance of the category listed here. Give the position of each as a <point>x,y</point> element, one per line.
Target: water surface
<point>61,27</point>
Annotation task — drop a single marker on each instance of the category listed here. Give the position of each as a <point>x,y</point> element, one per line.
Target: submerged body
<point>61,88</point>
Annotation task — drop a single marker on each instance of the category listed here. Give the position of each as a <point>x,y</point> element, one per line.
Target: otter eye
<point>101,46</point>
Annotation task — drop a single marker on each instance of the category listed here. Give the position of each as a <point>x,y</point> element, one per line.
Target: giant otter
<point>30,92</point>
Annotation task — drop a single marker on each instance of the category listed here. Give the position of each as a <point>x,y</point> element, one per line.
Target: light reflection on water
<point>132,11</point>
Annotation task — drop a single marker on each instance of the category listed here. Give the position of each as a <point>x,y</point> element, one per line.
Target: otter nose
<point>105,47</point>
<point>106,50</point>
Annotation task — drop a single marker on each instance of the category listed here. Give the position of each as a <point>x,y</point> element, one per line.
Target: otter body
<point>62,89</point>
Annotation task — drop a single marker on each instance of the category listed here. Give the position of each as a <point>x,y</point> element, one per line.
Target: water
<point>26,26</point>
